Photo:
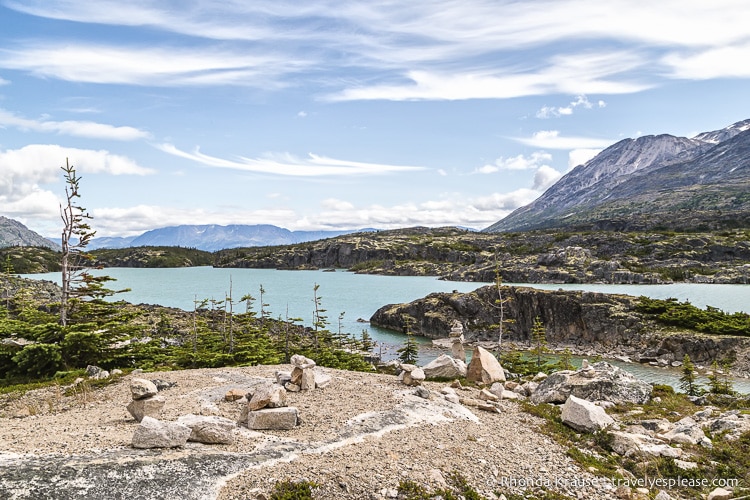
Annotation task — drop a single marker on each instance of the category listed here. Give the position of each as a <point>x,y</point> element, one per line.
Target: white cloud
<point>719,62</point>
<point>334,204</point>
<point>544,177</point>
<point>24,171</point>
<point>74,128</point>
<point>158,66</point>
<point>520,162</point>
<point>580,101</point>
<point>420,50</point>
<point>288,164</point>
<point>552,139</point>
<point>581,156</point>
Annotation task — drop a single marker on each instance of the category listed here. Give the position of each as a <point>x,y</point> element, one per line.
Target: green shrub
<point>38,360</point>
<point>80,349</point>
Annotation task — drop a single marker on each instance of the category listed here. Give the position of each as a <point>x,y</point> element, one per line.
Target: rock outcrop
<point>588,321</point>
<point>598,382</point>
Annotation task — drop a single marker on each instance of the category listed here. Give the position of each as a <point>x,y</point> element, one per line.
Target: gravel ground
<point>402,437</point>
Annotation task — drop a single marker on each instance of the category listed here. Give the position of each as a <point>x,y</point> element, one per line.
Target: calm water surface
<point>360,295</point>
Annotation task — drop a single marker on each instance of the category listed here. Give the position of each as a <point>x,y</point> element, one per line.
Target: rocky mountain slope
<point>651,182</point>
<point>213,237</point>
<point>15,234</point>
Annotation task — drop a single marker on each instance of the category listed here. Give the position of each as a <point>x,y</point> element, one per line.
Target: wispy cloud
<point>145,65</point>
<point>290,165</point>
<point>432,50</point>
<point>552,139</point>
<point>88,129</point>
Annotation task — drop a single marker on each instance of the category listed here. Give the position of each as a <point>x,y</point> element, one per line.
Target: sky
<point>343,115</point>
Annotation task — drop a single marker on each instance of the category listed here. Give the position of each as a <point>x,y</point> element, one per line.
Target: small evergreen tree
<point>366,341</point>
<point>538,341</point>
<point>688,381</point>
<point>410,350</point>
<point>720,382</point>
<point>564,363</point>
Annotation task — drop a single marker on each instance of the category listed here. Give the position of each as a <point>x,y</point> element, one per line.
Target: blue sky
<point>343,115</point>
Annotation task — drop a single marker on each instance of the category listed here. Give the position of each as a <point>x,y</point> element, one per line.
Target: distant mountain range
<point>15,234</point>
<point>213,237</point>
<point>652,182</point>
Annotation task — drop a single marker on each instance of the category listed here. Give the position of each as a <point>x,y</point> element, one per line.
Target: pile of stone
<point>146,401</point>
<point>266,409</point>
<point>146,408</point>
<point>411,375</point>
<point>303,377</point>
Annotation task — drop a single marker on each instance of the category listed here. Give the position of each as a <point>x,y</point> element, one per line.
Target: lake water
<point>360,295</point>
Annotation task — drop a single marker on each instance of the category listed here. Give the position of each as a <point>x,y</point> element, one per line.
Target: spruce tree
<point>410,350</point>
<point>688,381</point>
<point>538,341</point>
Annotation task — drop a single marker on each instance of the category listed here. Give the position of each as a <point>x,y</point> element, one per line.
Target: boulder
<point>686,431</point>
<point>272,419</point>
<point>322,380</point>
<point>484,367</point>
<point>149,407</point>
<point>283,377</point>
<point>497,389</point>
<point>598,382</point>
<point>584,416</point>
<point>140,388</point>
<point>163,385</point>
<point>445,366</point>
<point>629,444</point>
<point>96,373</point>
<point>411,375</point>
<point>152,433</point>
<point>267,396</point>
<point>720,494</point>
<point>209,429</point>
<point>299,361</point>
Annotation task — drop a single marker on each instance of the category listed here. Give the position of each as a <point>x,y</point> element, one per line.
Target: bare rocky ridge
<point>649,182</point>
<point>358,438</point>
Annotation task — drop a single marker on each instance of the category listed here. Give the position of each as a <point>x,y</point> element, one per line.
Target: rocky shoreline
<point>588,323</point>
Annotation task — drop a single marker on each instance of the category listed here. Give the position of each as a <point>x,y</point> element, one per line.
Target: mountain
<point>655,181</point>
<point>15,234</point>
<point>213,237</point>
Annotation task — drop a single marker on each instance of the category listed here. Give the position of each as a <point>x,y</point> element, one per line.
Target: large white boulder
<point>149,407</point>
<point>209,429</point>
<point>272,419</point>
<point>140,388</point>
<point>445,366</point>
<point>267,396</point>
<point>598,382</point>
<point>152,433</point>
<point>484,367</point>
<point>585,416</point>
